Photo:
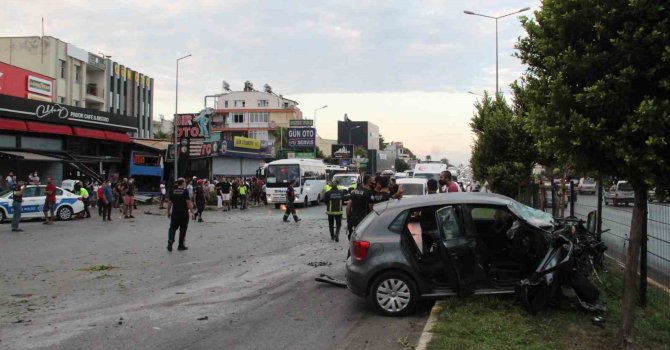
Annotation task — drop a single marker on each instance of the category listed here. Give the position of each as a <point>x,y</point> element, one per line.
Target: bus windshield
<point>281,175</point>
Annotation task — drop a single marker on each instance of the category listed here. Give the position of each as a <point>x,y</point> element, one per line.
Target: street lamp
<point>496,18</point>
<point>474,93</point>
<point>355,127</point>
<point>174,121</point>
<point>314,126</point>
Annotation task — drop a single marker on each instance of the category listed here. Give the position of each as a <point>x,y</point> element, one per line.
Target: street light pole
<point>496,19</point>
<point>174,120</point>
<point>314,126</point>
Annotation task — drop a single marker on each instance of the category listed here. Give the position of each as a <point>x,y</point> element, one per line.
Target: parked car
<point>586,185</point>
<point>621,193</point>
<point>443,245</point>
<point>412,187</point>
<point>67,203</point>
<point>652,197</point>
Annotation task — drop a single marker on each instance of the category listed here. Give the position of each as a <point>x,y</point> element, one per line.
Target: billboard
<point>299,138</point>
<point>193,134</point>
<point>300,122</point>
<point>18,82</point>
<point>342,151</point>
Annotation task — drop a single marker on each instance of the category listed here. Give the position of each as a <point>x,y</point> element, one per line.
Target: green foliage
<point>382,144</point>
<point>597,88</point>
<point>400,165</point>
<point>360,151</point>
<point>503,153</point>
<point>445,161</point>
<point>162,135</point>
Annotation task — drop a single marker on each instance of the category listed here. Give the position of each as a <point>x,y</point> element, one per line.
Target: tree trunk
<point>624,338</point>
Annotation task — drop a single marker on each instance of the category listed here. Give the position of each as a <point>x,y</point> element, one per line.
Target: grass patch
<point>490,322</point>
<point>95,268</point>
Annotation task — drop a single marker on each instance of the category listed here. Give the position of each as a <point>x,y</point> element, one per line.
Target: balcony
<point>95,94</point>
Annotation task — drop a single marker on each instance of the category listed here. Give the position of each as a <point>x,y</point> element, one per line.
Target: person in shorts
<point>225,194</point>
<point>163,192</point>
<point>129,197</point>
<point>49,202</point>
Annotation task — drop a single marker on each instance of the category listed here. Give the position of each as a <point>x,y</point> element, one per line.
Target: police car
<point>67,203</point>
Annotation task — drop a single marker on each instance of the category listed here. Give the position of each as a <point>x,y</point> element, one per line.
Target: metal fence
<point>615,227</point>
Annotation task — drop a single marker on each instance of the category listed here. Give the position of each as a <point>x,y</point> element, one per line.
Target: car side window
<point>40,191</point>
<point>59,192</point>
<point>30,192</point>
<point>399,222</point>
<point>449,223</point>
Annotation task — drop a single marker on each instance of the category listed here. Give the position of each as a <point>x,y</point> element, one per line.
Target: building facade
<point>83,79</point>
<point>359,133</point>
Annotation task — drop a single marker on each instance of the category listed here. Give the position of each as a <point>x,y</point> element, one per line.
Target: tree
<point>400,165</point>
<point>428,158</point>
<point>597,94</point>
<point>445,161</point>
<point>382,145</point>
<point>160,135</point>
<point>360,151</point>
<point>503,153</point>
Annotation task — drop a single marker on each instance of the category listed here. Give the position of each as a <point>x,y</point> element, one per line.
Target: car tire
<point>393,293</point>
<point>277,205</point>
<point>317,201</point>
<point>305,203</point>
<point>65,213</point>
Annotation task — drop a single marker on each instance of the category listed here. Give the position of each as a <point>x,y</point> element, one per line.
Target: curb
<point>427,334</point>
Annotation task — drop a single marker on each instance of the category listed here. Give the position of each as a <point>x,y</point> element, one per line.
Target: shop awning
<point>31,156</point>
<point>14,125</point>
<point>89,133</point>
<point>117,136</point>
<point>49,128</point>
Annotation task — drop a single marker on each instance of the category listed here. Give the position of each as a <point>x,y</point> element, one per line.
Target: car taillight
<point>360,250</point>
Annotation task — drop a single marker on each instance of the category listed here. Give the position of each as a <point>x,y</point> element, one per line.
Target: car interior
<point>421,235</point>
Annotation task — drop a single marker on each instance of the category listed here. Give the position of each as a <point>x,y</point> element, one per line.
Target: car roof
<point>411,180</point>
<point>449,198</point>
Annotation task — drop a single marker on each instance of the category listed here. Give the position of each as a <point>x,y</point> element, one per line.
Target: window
<point>259,135</point>
<point>77,74</point>
<point>285,104</point>
<point>262,103</point>
<point>61,99</point>
<point>61,67</point>
<point>75,103</point>
<point>225,104</point>
<point>262,117</point>
<point>240,103</point>
<point>238,118</point>
<point>31,192</point>
<point>448,223</point>
<point>399,222</point>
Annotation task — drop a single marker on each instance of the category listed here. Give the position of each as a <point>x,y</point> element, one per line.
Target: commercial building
<point>83,79</point>
<point>359,133</point>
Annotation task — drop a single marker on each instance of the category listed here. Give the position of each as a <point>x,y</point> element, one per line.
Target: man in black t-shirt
<point>179,210</point>
<point>225,190</point>
<point>290,208</point>
<point>360,203</point>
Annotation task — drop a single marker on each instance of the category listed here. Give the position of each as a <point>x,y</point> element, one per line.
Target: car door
<point>457,249</point>
<point>31,205</point>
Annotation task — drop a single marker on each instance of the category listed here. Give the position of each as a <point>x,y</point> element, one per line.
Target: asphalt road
<point>248,273</point>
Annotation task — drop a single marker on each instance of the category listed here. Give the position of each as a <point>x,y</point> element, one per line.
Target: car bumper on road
<point>356,279</point>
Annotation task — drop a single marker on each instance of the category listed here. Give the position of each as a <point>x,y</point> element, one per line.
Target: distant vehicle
<point>67,203</point>
<point>412,187</point>
<point>651,197</point>
<point>388,172</point>
<point>348,181</point>
<point>401,175</point>
<point>621,193</point>
<point>586,185</point>
<point>309,176</point>
<point>410,173</point>
<point>332,170</point>
<point>429,170</point>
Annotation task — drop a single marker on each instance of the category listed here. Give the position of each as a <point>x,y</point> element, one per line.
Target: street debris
<point>204,318</point>
<point>319,263</point>
<point>98,268</point>
<point>330,280</point>
<point>152,213</point>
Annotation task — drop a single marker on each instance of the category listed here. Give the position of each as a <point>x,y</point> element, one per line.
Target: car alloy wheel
<point>64,213</point>
<point>393,294</point>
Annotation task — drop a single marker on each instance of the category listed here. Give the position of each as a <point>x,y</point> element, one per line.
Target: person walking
<point>107,201</point>
<point>129,198</point>
<point>225,194</point>
<point>334,199</point>
<point>200,200</point>
<point>163,192</point>
<point>83,192</point>
<point>243,190</point>
<point>101,200</point>
<point>290,207</point>
<point>49,202</point>
<point>17,201</point>
<point>179,209</point>
<point>234,192</point>
<point>360,203</point>
<point>219,195</point>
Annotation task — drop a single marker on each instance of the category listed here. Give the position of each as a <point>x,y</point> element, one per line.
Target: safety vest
<point>83,193</point>
<point>243,190</point>
<point>334,202</point>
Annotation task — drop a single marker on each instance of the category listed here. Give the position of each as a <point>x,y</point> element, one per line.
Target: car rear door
<point>457,249</point>
<point>32,205</point>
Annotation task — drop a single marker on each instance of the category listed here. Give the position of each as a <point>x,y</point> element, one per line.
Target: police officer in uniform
<point>360,203</point>
<point>333,199</point>
<point>179,209</point>
<point>290,207</point>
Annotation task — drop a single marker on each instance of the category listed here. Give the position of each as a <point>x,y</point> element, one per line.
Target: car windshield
<point>532,216</point>
<point>281,175</point>
<point>625,186</point>
<point>589,181</point>
<point>412,189</point>
<point>346,181</point>
<point>4,192</point>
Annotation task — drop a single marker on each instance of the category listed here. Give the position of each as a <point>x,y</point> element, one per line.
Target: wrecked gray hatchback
<point>443,245</point>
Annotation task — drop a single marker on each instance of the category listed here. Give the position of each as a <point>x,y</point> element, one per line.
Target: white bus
<point>308,177</point>
<point>332,170</point>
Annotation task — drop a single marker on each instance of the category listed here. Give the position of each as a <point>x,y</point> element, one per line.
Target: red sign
<point>18,82</point>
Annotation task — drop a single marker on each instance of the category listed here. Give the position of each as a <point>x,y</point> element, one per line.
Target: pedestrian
<point>334,199</point>
<point>290,207</point>
<point>49,202</point>
<point>447,184</point>
<point>200,200</point>
<point>83,192</point>
<point>242,193</point>
<point>234,192</point>
<point>33,178</point>
<point>93,192</point>
<point>360,203</point>
<point>9,181</point>
<point>101,200</point>
<point>432,186</point>
<point>179,210</point>
<point>384,192</point>
<point>17,201</point>
<point>225,193</point>
<point>163,192</point>
<point>108,200</point>
<point>129,199</point>
<point>219,195</point>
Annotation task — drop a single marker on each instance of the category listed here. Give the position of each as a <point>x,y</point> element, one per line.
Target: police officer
<point>360,203</point>
<point>179,209</point>
<point>290,207</point>
<point>333,199</point>
<point>17,200</point>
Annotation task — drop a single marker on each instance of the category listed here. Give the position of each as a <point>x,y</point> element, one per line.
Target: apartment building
<point>83,79</point>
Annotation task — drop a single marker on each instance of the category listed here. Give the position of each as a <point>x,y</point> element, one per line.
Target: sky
<point>406,66</point>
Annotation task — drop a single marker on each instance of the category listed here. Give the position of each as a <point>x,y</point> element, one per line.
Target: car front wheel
<point>393,294</point>
<point>65,213</point>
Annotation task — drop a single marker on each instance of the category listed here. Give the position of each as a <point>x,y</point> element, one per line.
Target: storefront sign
<point>300,155</point>
<point>299,138</point>
<point>300,122</point>
<point>193,134</point>
<point>342,151</point>
<point>245,142</point>
<point>25,109</point>
<point>18,82</point>
<point>229,149</point>
<point>39,85</point>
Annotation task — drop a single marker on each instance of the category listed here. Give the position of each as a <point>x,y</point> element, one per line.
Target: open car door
<point>457,250</point>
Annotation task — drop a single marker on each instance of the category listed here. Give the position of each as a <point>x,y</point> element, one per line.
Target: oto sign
<point>300,122</point>
<point>299,138</point>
